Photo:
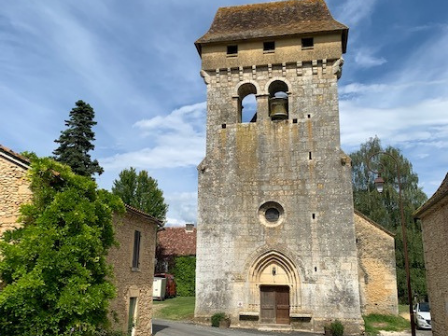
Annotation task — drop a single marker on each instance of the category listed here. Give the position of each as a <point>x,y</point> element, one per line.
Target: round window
<point>271,214</point>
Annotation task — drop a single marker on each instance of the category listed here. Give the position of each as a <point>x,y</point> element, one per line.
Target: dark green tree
<point>184,271</point>
<point>384,209</point>
<point>140,191</point>
<point>54,267</point>
<point>75,142</point>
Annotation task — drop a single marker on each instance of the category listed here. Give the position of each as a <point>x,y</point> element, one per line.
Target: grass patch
<point>376,322</point>
<point>178,308</point>
<point>403,309</point>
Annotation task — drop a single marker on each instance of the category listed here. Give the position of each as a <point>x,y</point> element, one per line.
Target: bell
<point>278,108</point>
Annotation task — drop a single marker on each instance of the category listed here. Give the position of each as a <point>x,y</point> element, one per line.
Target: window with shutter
<point>136,252</point>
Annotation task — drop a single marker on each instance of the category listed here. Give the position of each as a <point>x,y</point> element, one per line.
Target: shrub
<point>337,328</point>
<point>216,318</point>
<point>185,274</point>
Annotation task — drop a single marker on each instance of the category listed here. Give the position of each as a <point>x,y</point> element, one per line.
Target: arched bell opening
<point>278,100</point>
<point>247,103</point>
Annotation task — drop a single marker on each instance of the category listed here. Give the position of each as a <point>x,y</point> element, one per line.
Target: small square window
<point>269,46</point>
<point>232,50</point>
<point>307,42</point>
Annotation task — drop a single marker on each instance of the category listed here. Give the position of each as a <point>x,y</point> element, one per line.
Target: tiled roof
<point>438,195</point>
<point>144,214</point>
<point>5,151</point>
<point>273,19</point>
<point>177,241</point>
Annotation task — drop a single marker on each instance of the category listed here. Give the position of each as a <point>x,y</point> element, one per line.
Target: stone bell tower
<point>276,238</point>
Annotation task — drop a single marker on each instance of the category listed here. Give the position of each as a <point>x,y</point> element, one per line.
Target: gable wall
<point>377,269</point>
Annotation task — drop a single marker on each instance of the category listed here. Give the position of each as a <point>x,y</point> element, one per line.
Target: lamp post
<point>379,184</point>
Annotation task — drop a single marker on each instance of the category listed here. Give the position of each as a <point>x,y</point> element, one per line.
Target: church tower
<point>276,240</point>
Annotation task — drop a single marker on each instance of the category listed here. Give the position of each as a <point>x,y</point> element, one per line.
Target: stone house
<point>277,236</point>
<point>174,242</point>
<point>133,263</point>
<point>434,217</point>
<point>133,260</point>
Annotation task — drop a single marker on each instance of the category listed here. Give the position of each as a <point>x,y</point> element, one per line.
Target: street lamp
<point>379,184</point>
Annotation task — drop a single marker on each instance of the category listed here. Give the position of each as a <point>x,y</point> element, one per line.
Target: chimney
<point>189,227</point>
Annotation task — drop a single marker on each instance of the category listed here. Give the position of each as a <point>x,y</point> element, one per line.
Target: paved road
<point>171,328</point>
<point>418,333</point>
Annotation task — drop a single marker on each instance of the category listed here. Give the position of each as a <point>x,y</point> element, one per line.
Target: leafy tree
<point>141,192</point>
<point>384,208</point>
<point>54,267</point>
<point>75,142</point>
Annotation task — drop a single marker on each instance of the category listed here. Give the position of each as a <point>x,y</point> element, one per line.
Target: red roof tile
<point>177,241</point>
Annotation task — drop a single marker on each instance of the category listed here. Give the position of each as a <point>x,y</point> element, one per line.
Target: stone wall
<point>377,268</point>
<point>435,238</point>
<point>286,51</point>
<point>14,191</point>
<point>133,282</point>
<point>295,164</point>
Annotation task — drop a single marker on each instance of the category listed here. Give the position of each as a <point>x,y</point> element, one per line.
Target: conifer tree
<point>75,142</point>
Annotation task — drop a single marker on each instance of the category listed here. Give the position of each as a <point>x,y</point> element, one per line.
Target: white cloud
<point>182,208</point>
<point>352,12</point>
<point>174,140</point>
<point>366,59</point>
<point>417,123</point>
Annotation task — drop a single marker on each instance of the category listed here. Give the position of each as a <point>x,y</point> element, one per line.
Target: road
<point>172,328</point>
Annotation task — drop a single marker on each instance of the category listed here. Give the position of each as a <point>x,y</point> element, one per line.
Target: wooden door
<point>267,298</point>
<point>282,305</point>
<point>274,302</point>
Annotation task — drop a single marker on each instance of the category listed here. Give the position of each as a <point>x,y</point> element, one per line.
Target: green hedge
<point>184,272</point>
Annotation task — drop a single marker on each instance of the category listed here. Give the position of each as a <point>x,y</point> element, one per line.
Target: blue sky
<point>135,63</point>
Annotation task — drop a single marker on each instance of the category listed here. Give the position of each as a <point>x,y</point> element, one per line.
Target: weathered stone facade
<point>276,234</point>
<point>131,283</point>
<point>376,268</point>
<point>134,282</point>
<point>14,188</point>
<point>434,217</point>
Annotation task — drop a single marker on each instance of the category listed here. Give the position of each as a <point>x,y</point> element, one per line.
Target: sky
<point>136,64</point>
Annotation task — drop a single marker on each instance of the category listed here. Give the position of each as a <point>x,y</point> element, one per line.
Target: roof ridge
<point>17,156</point>
<point>440,193</point>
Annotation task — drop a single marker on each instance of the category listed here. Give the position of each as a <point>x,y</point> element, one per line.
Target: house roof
<point>14,157</point>
<point>143,214</point>
<point>177,241</point>
<point>375,224</point>
<point>440,193</point>
<point>273,19</point>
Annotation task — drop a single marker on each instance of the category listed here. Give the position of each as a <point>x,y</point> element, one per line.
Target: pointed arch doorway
<point>275,287</point>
